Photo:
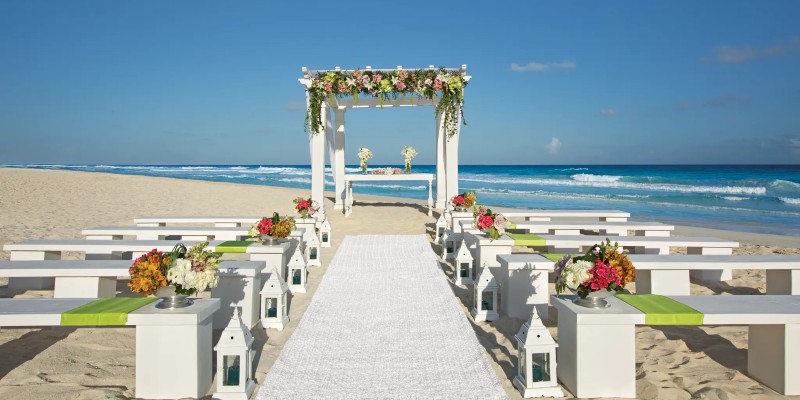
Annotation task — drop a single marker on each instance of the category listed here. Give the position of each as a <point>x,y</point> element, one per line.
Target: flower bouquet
<point>603,271</point>
<point>364,154</point>
<point>408,154</point>
<point>272,228</point>
<point>305,207</point>
<point>491,222</point>
<point>184,272</point>
<point>387,171</point>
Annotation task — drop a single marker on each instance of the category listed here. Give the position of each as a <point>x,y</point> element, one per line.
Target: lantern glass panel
<point>487,302</point>
<point>540,367</point>
<point>464,270</point>
<point>312,253</point>
<point>521,358</point>
<point>230,369</point>
<point>296,277</point>
<point>324,238</point>
<point>449,246</point>
<point>271,304</point>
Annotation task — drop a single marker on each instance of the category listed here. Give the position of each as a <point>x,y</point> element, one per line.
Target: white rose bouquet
<point>408,154</point>
<point>364,154</point>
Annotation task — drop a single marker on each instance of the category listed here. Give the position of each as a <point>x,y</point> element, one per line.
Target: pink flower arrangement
<point>486,220</point>
<point>603,268</point>
<point>457,201</point>
<point>602,276</point>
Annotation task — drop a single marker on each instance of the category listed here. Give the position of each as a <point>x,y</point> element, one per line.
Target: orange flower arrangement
<point>621,263</point>
<point>147,272</point>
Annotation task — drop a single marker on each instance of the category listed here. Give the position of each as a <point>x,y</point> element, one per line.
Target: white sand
<point>89,363</point>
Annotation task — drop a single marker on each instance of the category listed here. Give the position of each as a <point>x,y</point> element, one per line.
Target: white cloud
<point>609,112</point>
<point>538,67</point>
<point>294,106</point>
<point>553,146</point>
<point>735,55</point>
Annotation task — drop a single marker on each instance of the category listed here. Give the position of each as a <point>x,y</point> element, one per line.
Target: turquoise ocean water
<point>763,199</point>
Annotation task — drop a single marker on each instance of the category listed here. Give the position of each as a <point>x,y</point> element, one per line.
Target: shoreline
<point>47,363</point>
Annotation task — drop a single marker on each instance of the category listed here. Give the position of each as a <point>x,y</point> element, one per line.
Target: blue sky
<point>197,82</point>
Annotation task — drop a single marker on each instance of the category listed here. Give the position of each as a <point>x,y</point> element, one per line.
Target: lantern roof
<point>486,279</point>
<point>463,253</point>
<point>235,336</point>
<point>441,221</point>
<point>297,259</point>
<point>274,285</point>
<point>325,225</point>
<point>534,333</point>
<point>313,240</point>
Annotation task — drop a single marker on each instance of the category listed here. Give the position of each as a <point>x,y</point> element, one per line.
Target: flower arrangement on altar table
<point>486,220</point>
<point>466,200</point>
<point>408,154</point>
<point>603,267</point>
<point>386,171</point>
<point>305,206</point>
<point>275,227</point>
<point>422,83</point>
<point>189,271</point>
<point>364,154</point>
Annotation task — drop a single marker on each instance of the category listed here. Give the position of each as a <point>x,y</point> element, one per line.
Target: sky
<point>208,82</point>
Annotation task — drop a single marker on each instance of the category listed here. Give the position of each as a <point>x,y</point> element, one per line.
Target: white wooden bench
<point>547,215</point>
<point>218,221</point>
<point>773,356</point>
<point>669,274</point>
<point>239,282</point>
<point>604,227</point>
<point>274,256</point>
<point>173,347</point>
<point>195,233</point>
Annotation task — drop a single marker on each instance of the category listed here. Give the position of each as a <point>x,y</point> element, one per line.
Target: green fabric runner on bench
<point>106,311</point>
<point>233,246</point>
<point>526,239</point>
<point>660,310</point>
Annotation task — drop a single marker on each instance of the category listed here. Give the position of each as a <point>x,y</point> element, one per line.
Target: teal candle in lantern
<point>232,376</point>
<point>536,373</point>
<point>296,280</point>
<point>484,305</point>
<point>463,272</point>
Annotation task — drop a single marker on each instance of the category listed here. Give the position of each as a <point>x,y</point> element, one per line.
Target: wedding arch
<point>330,93</point>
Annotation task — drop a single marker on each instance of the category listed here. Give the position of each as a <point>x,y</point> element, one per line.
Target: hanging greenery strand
<point>422,83</point>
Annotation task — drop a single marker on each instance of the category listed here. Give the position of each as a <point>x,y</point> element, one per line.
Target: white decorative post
<point>297,273</point>
<point>274,314</point>
<point>338,170</point>
<point>441,225</point>
<point>325,234</point>
<point>441,179</point>
<point>234,362</point>
<point>536,360</point>
<point>462,273</point>
<point>312,250</point>
<point>485,297</point>
<point>447,245</point>
<point>317,145</point>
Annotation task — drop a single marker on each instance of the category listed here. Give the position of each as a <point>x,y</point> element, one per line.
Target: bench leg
<point>783,281</point>
<point>78,287</point>
<point>712,275</point>
<point>173,361</point>
<point>663,282</point>
<point>32,283</point>
<point>237,291</point>
<point>580,358</point>
<point>525,289</point>
<point>773,357</point>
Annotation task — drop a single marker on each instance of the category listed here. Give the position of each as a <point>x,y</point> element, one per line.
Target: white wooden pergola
<point>333,123</point>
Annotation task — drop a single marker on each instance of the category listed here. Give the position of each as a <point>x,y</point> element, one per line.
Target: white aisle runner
<point>384,324</point>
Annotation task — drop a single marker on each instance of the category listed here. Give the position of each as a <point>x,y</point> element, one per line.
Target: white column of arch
<point>338,162</point>
<point>441,179</point>
<point>451,159</point>
<point>317,145</point>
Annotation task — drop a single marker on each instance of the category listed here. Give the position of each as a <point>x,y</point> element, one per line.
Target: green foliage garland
<point>422,83</point>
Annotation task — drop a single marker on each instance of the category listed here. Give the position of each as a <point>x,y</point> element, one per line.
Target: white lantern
<point>446,235</point>
<point>296,272</point>
<point>462,273</point>
<point>235,361</point>
<point>274,313</point>
<point>441,225</point>
<point>312,251</point>
<point>485,297</point>
<point>536,360</point>
<point>449,242</point>
<point>325,234</point>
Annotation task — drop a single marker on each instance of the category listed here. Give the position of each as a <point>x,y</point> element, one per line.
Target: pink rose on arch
<point>376,78</point>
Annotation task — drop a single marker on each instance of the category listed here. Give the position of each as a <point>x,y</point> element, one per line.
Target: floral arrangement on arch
<point>190,271</point>
<point>275,227</point>
<point>364,154</point>
<point>489,221</point>
<point>466,200</point>
<point>408,154</point>
<point>386,171</point>
<point>603,267</point>
<point>305,207</point>
<point>385,84</point>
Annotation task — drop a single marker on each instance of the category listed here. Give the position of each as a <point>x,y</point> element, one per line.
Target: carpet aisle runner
<point>383,324</point>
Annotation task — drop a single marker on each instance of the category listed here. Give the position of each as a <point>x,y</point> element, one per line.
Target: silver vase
<point>268,240</point>
<point>170,300</point>
<point>595,299</point>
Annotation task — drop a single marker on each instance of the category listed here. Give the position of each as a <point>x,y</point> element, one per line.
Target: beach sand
<point>98,363</point>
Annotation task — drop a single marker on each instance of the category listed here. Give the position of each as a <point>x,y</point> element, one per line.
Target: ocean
<point>762,199</point>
